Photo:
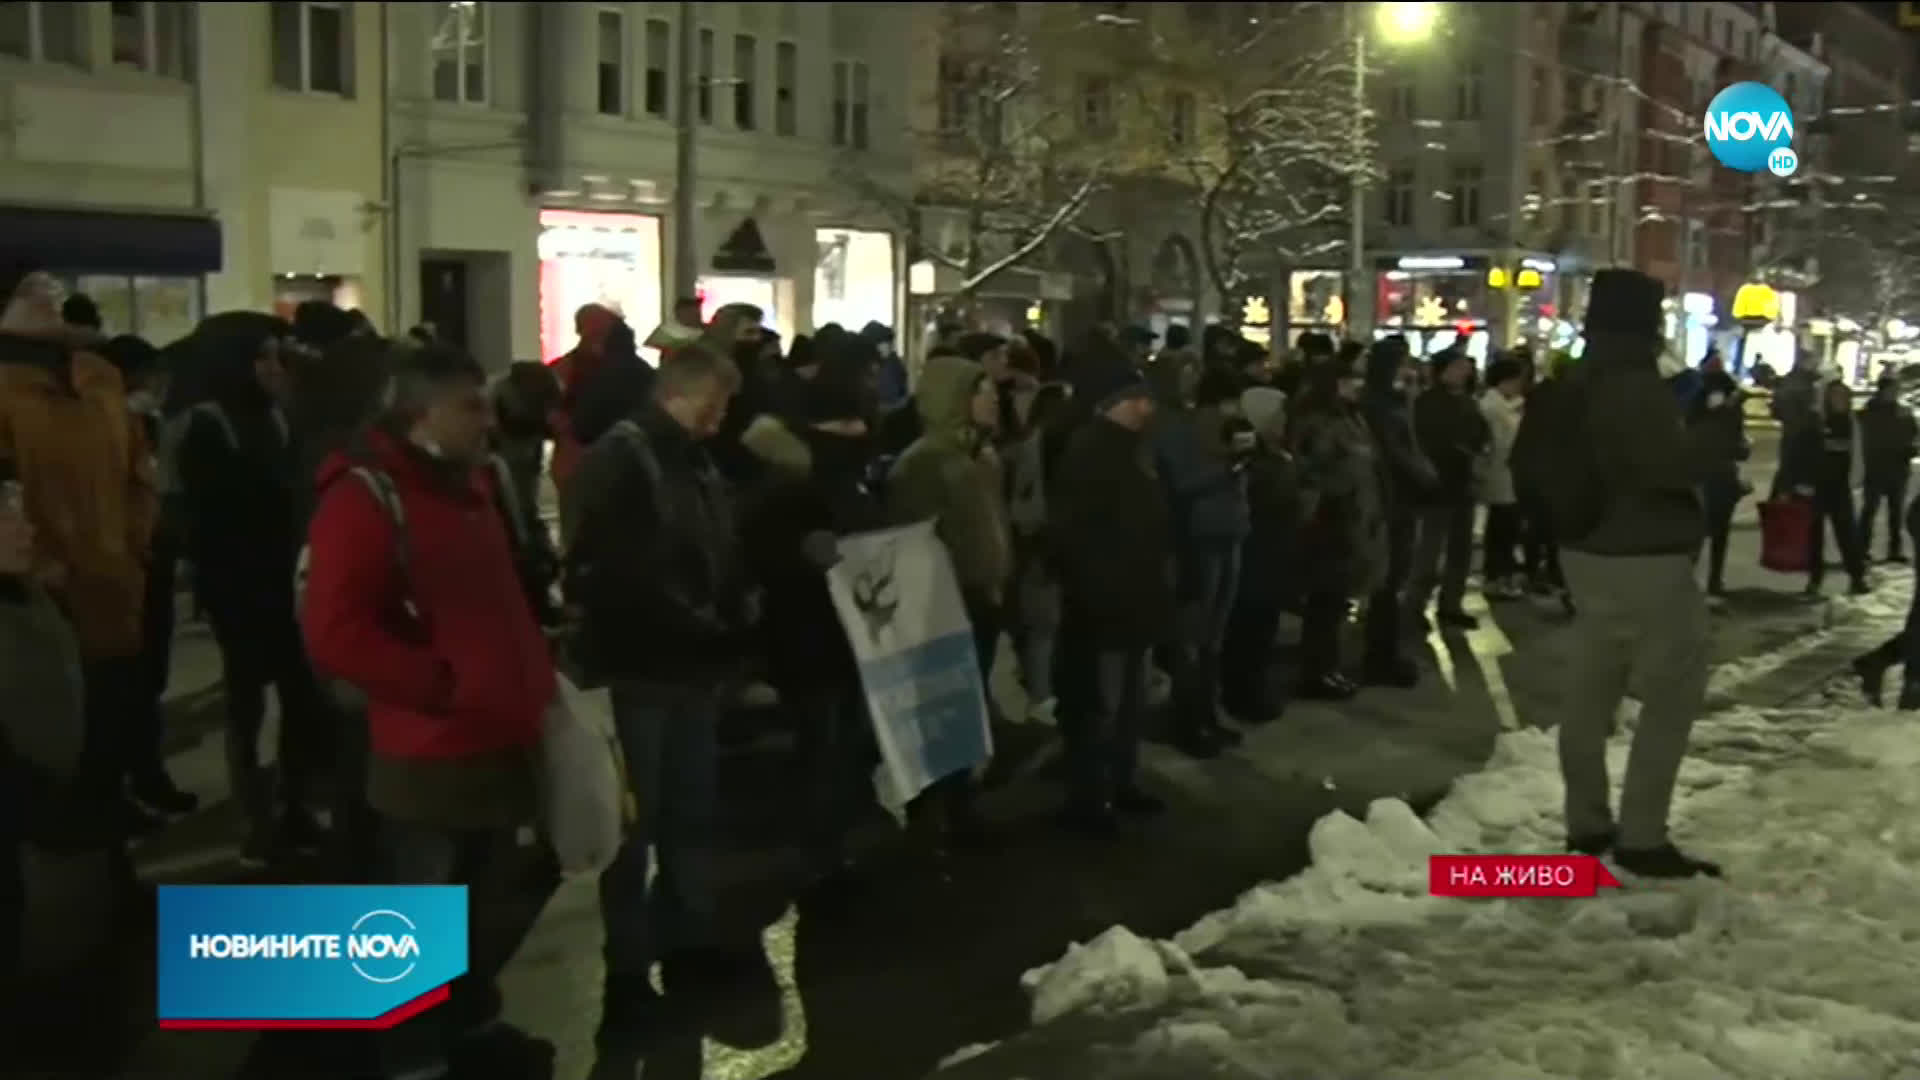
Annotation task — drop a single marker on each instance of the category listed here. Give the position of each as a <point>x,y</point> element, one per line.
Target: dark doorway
<point>443,298</point>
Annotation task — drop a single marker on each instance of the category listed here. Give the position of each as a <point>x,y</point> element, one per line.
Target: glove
<point>821,548</point>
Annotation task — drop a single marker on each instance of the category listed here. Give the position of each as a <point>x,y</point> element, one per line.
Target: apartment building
<point>166,186</point>
<point>533,153</point>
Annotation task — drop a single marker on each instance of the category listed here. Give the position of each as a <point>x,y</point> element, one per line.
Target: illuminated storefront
<point>1691,327</point>
<point>853,278</point>
<point>1316,302</point>
<point>1436,301</point>
<point>597,258</point>
<point>1771,327</point>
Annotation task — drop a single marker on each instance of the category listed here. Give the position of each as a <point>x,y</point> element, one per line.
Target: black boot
<point>1327,687</point>
<point>1910,696</point>
<point>1665,861</point>
<point>1593,843</point>
<point>1873,678</point>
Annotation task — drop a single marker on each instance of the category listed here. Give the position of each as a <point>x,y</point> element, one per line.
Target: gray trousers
<point>1642,629</point>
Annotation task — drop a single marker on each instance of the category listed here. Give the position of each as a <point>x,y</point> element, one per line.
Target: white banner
<point>901,608</point>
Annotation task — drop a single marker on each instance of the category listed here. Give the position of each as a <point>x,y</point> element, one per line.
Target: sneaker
<point>1665,861</point>
<point>1133,801</point>
<point>1327,688</point>
<point>160,795</point>
<point>1593,843</point>
<point>1456,620</point>
<point>1716,602</point>
<point>1873,679</point>
<point>1501,589</point>
<point>1042,712</point>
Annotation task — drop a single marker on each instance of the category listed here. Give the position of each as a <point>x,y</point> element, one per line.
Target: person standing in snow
<point>1888,439</point>
<point>1630,530</point>
<point>1500,405</point>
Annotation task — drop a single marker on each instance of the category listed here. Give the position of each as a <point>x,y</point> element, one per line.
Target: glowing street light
<point>1407,22</point>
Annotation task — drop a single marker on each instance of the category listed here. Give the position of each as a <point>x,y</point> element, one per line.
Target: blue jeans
<point>1209,580</point>
<point>1103,720</point>
<point>668,737</point>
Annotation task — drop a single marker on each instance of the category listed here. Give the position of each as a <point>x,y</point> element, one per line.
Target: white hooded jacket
<point>1503,419</point>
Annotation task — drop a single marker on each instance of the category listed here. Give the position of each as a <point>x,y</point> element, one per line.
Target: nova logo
<point>1746,124</point>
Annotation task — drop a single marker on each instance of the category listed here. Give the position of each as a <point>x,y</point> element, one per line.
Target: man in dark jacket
<point>1114,533</point>
<point>1717,423</point>
<point>1887,439</point>
<point>1449,429</point>
<point>238,471</point>
<point>1643,621</point>
<point>654,567</point>
<point>1407,477</point>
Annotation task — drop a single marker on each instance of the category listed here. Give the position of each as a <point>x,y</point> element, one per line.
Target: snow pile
<point>1799,966</point>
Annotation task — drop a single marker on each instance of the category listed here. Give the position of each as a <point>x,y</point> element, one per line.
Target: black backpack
<point>1553,460</point>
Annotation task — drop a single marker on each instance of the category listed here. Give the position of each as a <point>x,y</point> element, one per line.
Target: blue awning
<point>104,242</point>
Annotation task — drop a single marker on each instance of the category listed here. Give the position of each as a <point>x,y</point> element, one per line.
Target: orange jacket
<point>89,484</point>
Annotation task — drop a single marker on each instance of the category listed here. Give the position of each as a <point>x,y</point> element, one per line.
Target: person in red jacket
<point>423,613</point>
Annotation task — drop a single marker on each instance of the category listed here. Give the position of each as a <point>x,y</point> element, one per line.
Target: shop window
<point>160,309</point>
<point>596,258</point>
<point>1180,118</point>
<point>786,88</point>
<point>746,69</point>
<point>703,77</point>
<point>1096,105</point>
<point>853,278</point>
<point>1399,193</point>
<point>1466,96</point>
<point>1466,195</point>
<point>460,54</point>
<point>659,48</point>
<point>610,73</point>
<point>51,33</point>
<point>311,47</point>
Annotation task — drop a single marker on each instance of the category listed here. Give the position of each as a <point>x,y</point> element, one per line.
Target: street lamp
<point>1403,23</point>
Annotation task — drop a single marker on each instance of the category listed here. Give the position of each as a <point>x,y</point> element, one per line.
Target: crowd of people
<point>360,519</point>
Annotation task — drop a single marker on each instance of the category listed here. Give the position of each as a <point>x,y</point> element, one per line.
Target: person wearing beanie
<point>1451,432</point>
<point>892,381</point>
<point>1114,532</point>
<point>1206,491</point>
<point>1888,440</point>
<point>80,312</point>
<point>1825,463</point>
<point>1343,505</point>
<point>1624,475</point>
<point>951,476</point>
<point>810,492</point>
<point>1269,562</point>
<point>1407,476</point>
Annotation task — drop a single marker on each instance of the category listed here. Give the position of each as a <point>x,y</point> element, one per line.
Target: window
<point>48,32</point>
<point>703,77</point>
<point>147,36</point>
<point>311,51</point>
<point>746,61</point>
<point>659,44</point>
<point>1399,197</point>
<point>1746,44</point>
<point>1400,99</point>
<point>1466,97</point>
<point>1570,96</point>
<point>1536,199</point>
<point>1726,34</point>
<point>1466,195</point>
<point>610,88</point>
<point>786,91</point>
<point>1539,88</point>
<point>1096,105</point>
<point>1180,118</point>
<point>1597,207</point>
<point>850,104</point>
<point>954,100</point>
<point>460,54</point>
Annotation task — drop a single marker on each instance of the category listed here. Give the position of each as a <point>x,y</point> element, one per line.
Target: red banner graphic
<point>1518,875</point>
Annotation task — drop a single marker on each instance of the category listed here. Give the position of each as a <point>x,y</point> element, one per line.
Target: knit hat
<point>80,310</point>
<point>1105,382</point>
<point>1265,408</point>
<point>978,343</point>
<point>1624,301</point>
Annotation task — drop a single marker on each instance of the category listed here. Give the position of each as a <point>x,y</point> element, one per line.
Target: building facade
<point>533,155</point>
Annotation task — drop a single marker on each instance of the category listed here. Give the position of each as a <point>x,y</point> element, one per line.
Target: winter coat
<point>336,396</point>
<point>1825,456</point>
<point>951,475</point>
<point>1270,559</point>
<point>1718,425</point>
<point>654,563</point>
<point>1648,462</point>
<point>1345,541</point>
<point>446,649</point>
<point>1503,424</point>
<point>1410,476</point>
<point>1888,437</point>
<point>42,714</point>
<point>1450,430</point>
<point>239,473</point>
<point>1114,533</point>
<point>89,483</point>
<point>524,400</point>
<point>815,482</point>
<point>1207,496</point>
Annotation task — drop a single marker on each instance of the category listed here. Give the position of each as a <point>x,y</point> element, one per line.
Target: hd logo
<point>1750,128</point>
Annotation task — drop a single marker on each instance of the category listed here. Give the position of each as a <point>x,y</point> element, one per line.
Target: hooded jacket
<point>238,470</point>
<point>88,478</point>
<point>951,475</point>
<point>1450,430</point>
<point>1644,456</point>
<point>1389,412</point>
<point>1503,423</point>
<point>1888,437</point>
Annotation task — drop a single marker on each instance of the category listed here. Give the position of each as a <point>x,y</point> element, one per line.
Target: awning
<point>104,242</point>
<point>745,252</point>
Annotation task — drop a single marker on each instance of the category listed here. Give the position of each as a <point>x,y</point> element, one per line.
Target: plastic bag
<point>1786,535</point>
<point>585,797</point>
